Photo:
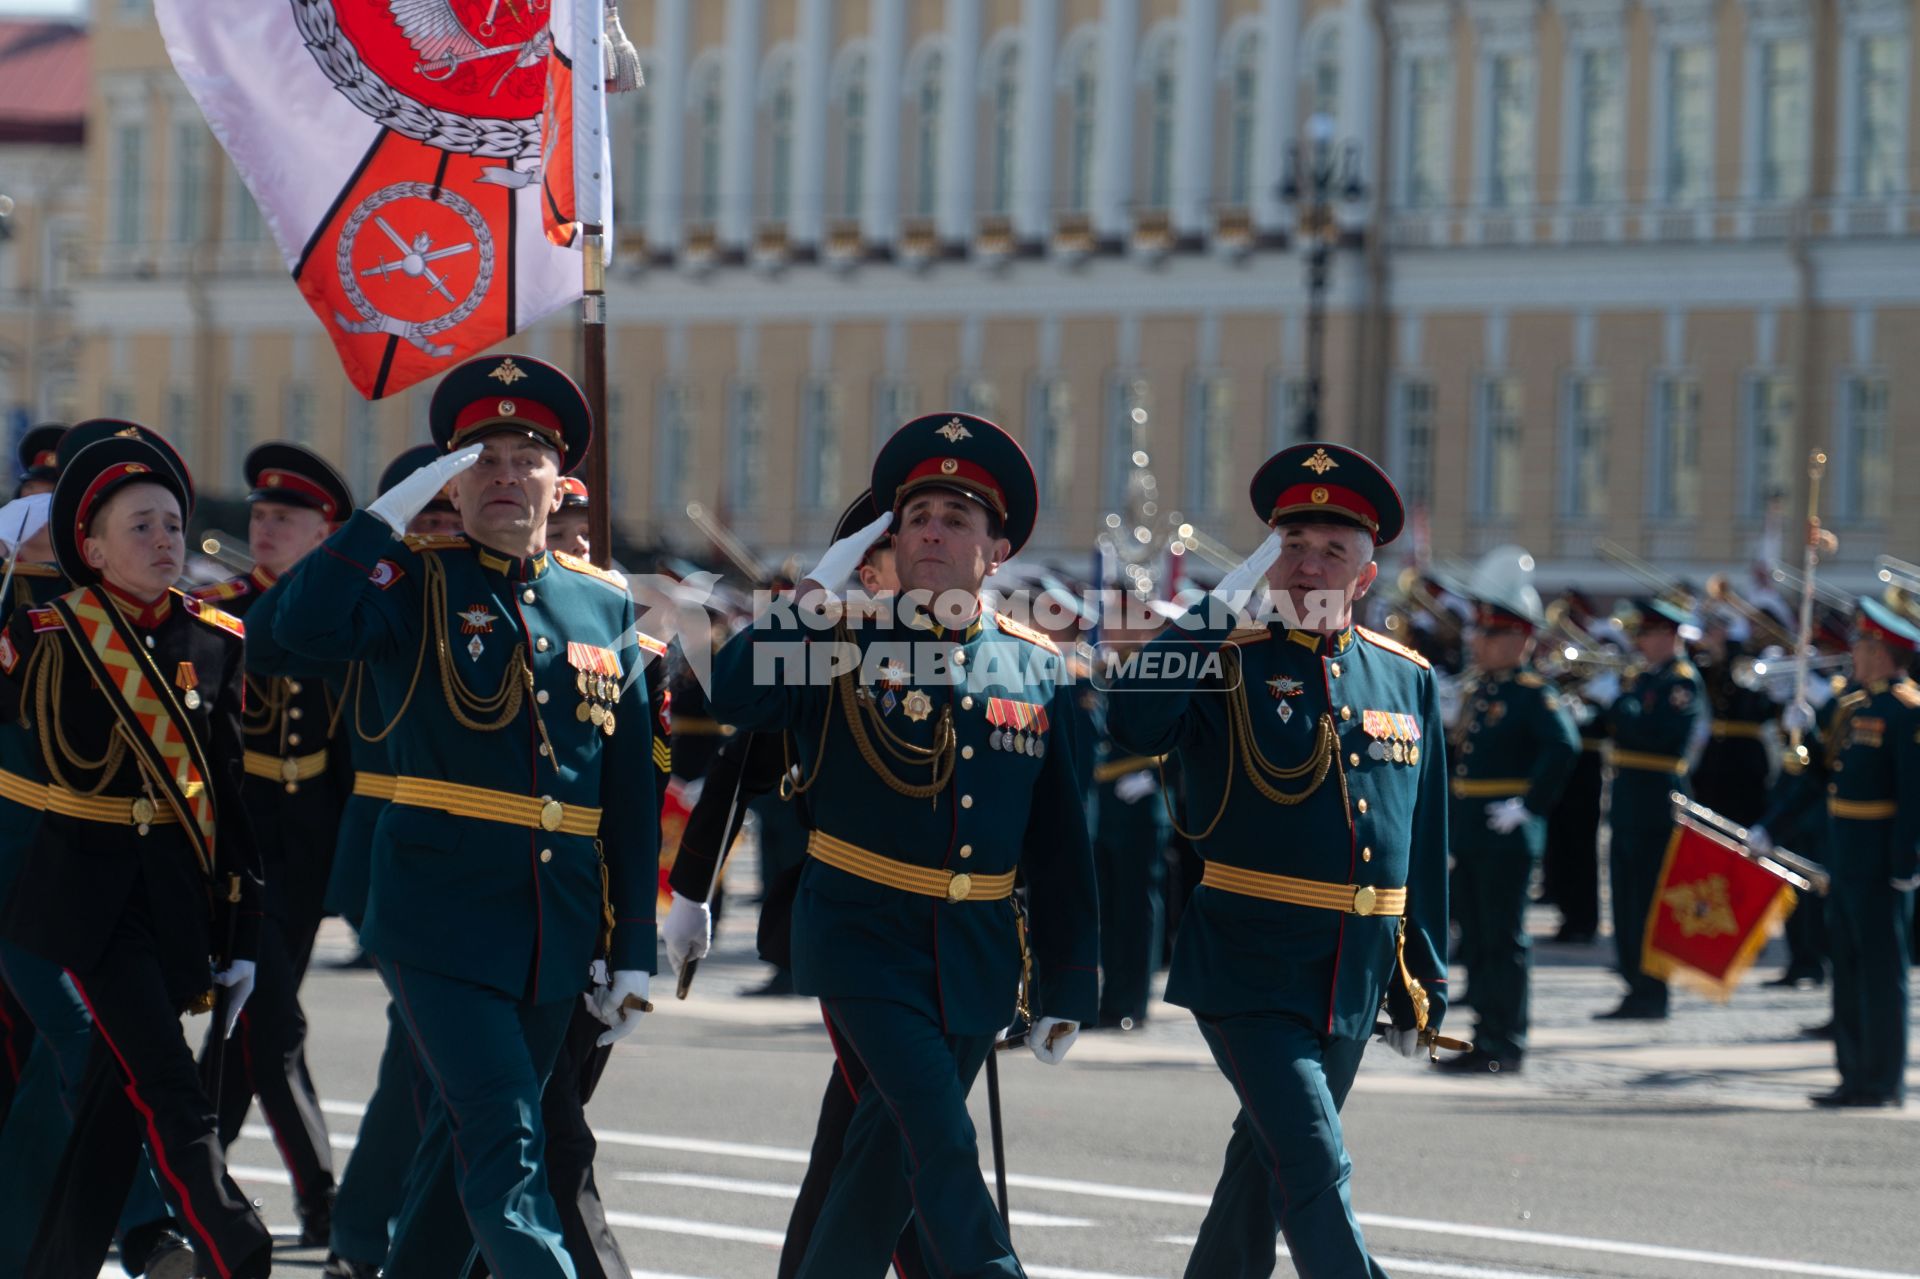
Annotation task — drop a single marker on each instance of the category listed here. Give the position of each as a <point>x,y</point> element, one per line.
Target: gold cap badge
<point>955,431</point>
<point>1320,463</point>
<point>507,372</point>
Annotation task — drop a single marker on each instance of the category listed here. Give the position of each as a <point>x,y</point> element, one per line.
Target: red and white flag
<point>395,148</point>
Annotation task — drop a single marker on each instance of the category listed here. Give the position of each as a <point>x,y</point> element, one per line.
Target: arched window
<point>1243,69</point>
<point>1080,82</point>
<point>1160,73</point>
<point>776,100</point>
<point>927,91</point>
<point>850,98</point>
<point>1322,70</point>
<point>1005,105</point>
<point>636,176</point>
<point>706,90</point>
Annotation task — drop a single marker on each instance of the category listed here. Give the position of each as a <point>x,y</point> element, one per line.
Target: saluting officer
<point>934,771</point>
<point>143,868</point>
<point>1315,760</point>
<point>1512,749</point>
<point>1657,723</point>
<point>523,824</point>
<point>296,500</point>
<point>1870,766</point>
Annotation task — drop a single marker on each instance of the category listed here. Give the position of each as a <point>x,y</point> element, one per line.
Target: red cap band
<point>293,482</point>
<point>1334,499</point>
<point>571,486</point>
<point>506,411</point>
<point>957,473</point>
<point>44,458</point>
<point>1489,618</point>
<point>101,482</point>
<point>1892,639</point>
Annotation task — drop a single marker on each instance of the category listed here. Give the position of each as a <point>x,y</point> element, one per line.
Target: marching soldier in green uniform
<point>935,768</point>
<point>141,880</point>
<point>294,801</point>
<point>1513,748</point>
<point>1657,724</point>
<point>1870,767</point>
<point>521,741</point>
<point>1316,768</point>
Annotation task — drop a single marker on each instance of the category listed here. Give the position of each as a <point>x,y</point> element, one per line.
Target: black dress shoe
<point>1874,1101</point>
<point>1840,1096</point>
<point>781,983</point>
<point>316,1220</point>
<point>339,1267</point>
<point>1476,1062</point>
<point>1798,979</point>
<point>170,1257</point>
<point>1630,1011</point>
<point>1822,1031</point>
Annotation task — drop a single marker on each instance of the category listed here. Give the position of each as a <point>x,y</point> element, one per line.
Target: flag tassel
<point>622,59</point>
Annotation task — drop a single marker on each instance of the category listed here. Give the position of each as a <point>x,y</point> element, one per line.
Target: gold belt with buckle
<point>542,812</point>
<point>700,726</point>
<point>1114,769</point>
<point>1863,810</point>
<point>1647,762</point>
<point>373,785</point>
<point>1725,728</point>
<point>110,810</point>
<point>927,881</point>
<point>1489,787</point>
<point>1348,899</point>
<point>291,769</point>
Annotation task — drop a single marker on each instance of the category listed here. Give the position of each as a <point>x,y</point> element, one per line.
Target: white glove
<point>1603,689</point>
<point>1405,1042</point>
<point>1135,786</point>
<point>609,1004</point>
<point>237,977</point>
<point>1906,885</point>
<point>1236,586</point>
<point>21,518</point>
<point>399,504</point>
<point>1051,1037</point>
<point>1507,815</point>
<point>687,931</point>
<point>1798,717</point>
<point>844,556</point>
<point>1758,840</point>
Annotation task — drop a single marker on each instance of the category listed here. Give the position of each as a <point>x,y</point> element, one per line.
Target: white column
<point>812,66</point>
<point>1033,170</point>
<point>960,111</point>
<point>738,101</point>
<point>1113,128</point>
<point>668,87</point>
<point>887,39</point>
<point>1359,86</point>
<point>1193,97</point>
<point>1274,104</point>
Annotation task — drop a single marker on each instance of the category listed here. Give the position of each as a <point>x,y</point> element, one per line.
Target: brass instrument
<point>1188,539</point>
<point>1652,576</point>
<point>1766,627</point>
<point>1773,674</point>
<point>1902,580</point>
<point>1801,713</point>
<point>1569,650</point>
<point>1795,583</point>
<point>227,550</point>
<point>1414,593</point>
<point>724,540</point>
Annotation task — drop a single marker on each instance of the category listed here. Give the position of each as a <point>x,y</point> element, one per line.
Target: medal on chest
<point>1393,736</point>
<point>597,680</point>
<point>1283,688</point>
<point>1017,726</point>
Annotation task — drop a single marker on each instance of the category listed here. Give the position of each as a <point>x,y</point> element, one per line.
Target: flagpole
<point>593,370</point>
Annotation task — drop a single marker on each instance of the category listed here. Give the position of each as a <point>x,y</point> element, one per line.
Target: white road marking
<point>788,1192</point>
<point>697,1229</point>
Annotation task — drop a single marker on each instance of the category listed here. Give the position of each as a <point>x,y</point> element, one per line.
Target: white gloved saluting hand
<point>399,504</point>
<point>844,556</point>
<point>1236,586</point>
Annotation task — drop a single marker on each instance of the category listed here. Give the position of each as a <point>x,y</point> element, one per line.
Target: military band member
<point>933,772</point>
<point>522,742</point>
<point>1870,766</point>
<point>296,500</point>
<point>1316,770</point>
<point>1656,723</point>
<point>567,530</point>
<point>142,879</point>
<point>1512,750</point>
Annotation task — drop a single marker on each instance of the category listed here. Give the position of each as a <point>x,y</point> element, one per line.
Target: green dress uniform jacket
<point>489,663</point>
<point>1653,723</point>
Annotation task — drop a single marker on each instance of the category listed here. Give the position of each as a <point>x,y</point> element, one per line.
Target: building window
<point>896,401</point>
<point>928,103</point>
<point>1210,441</point>
<point>1052,418</point>
<point>1676,456</point>
<point>640,160</point>
<point>975,393</point>
<point>820,445</point>
<point>1161,90</point>
<point>1510,143</point>
<point>1602,127</point>
<point>1785,115</point>
<point>746,445</point>
<point>853,142</point>
<point>1689,123</point>
<point>1413,406</point>
<point>1867,495</point>
<point>1589,417</point>
<point>1130,410</point>
<point>1500,447</point>
<point>238,411</point>
<point>673,445</point>
<point>1323,88</point>
<point>130,185</point>
<point>780,150</point>
<point>706,118</point>
<point>189,182</point>
<point>1429,110</point>
<point>1770,409</point>
<point>1286,397</point>
<point>1243,101</point>
<point>244,223</point>
<point>1882,89</point>
<point>299,410</point>
<point>363,444</point>
<point>1080,129</point>
<point>1001,141</point>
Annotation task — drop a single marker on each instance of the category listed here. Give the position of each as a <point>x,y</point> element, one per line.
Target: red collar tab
<point>262,577</point>
<point>145,616</point>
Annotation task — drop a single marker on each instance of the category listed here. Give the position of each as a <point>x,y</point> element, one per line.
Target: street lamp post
<point>1310,183</point>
